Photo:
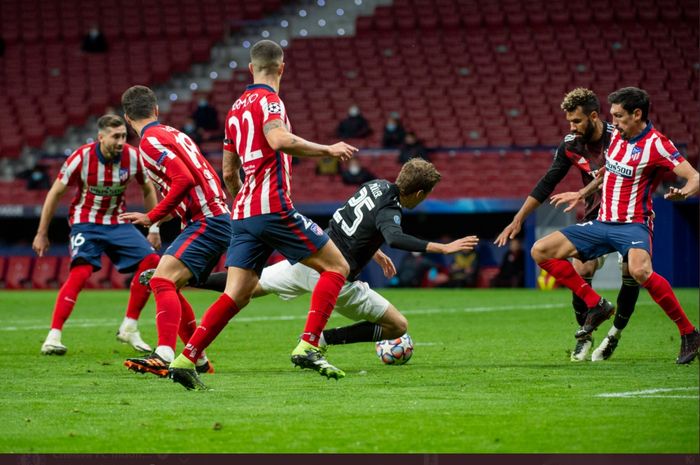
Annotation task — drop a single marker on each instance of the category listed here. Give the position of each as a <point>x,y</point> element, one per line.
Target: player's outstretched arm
<point>513,229</point>
<point>279,138</point>
<point>41,241</point>
<point>465,244</point>
<point>686,171</point>
<point>573,198</point>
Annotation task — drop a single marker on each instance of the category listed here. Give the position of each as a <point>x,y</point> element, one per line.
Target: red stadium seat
<point>18,272</point>
<point>44,273</point>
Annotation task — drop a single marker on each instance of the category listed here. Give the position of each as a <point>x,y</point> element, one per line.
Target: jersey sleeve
<point>666,154</point>
<point>229,136</point>
<point>272,108</point>
<point>70,170</point>
<point>556,172</point>
<point>388,222</point>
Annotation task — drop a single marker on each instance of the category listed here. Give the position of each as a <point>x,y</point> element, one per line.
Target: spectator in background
<point>94,41</point>
<point>37,178</point>
<point>394,132</point>
<point>190,128</point>
<point>354,126</point>
<point>464,270</point>
<point>355,173</point>
<point>512,272</point>
<point>413,270</point>
<point>412,148</point>
<point>205,116</point>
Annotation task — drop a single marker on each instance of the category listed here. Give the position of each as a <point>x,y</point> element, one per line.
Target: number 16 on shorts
<point>76,241</point>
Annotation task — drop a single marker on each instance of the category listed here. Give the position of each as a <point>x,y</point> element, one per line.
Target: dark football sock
<point>580,307</point>
<point>215,282</point>
<point>363,331</point>
<point>626,300</point>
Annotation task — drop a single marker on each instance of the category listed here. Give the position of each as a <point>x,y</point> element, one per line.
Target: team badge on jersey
<point>123,174</point>
<point>397,219</point>
<point>636,153</point>
<point>274,108</point>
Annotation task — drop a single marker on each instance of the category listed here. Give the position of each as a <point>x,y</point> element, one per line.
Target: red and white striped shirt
<point>268,173</point>
<point>100,196</point>
<point>189,184</point>
<point>633,170</point>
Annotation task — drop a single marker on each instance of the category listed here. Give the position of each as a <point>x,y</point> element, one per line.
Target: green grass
<point>490,374</point>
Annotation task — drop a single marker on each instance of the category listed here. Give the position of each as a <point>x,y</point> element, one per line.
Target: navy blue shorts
<point>255,238</point>
<point>594,239</point>
<point>201,244</point>
<point>123,243</point>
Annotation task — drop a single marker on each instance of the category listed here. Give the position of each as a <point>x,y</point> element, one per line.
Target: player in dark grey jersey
<point>364,223</point>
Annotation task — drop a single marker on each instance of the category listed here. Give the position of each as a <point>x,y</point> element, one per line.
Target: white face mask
<point>353,111</point>
<point>354,169</point>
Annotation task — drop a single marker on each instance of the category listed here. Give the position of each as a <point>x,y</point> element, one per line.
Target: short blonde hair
<point>417,175</point>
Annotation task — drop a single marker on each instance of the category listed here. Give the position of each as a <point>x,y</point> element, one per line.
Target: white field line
<point>28,325</point>
<point>653,393</point>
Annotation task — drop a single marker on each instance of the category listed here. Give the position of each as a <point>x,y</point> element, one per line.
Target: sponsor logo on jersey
<point>107,191</point>
<point>619,169</point>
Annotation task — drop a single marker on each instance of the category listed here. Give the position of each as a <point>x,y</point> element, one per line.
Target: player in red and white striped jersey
<point>638,155</point>
<point>100,171</point>
<point>258,137</point>
<point>192,191</point>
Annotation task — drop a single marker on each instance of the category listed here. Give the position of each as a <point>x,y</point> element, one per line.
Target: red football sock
<point>323,300</point>
<point>69,294</point>
<point>214,320</point>
<point>188,322</point>
<point>565,274</point>
<point>138,295</point>
<point>660,290</point>
<point>168,311</point>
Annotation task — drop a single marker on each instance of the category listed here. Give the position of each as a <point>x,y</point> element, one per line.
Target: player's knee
<point>640,273</point>
<point>396,327</point>
<point>341,267</point>
<point>538,251</point>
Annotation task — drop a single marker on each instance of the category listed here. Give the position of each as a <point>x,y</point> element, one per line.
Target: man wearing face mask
<point>584,147</point>
<point>355,173</point>
<point>100,171</point>
<point>394,132</point>
<point>205,116</point>
<point>94,41</point>
<point>354,126</point>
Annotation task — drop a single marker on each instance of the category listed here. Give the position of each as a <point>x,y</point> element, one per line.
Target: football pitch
<point>490,374</point>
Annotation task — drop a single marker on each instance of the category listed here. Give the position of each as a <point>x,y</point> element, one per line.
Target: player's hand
<point>569,198</point>
<point>385,263</point>
<point>137,218</point>
<point>509,232</point>
<point>464,244</point>
<point>342,150</point>
<point>675,194</point>
<point>154,240</point>
<point>40,244</point>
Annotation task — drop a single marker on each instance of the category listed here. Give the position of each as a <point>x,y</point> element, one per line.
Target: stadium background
<point>479,82</point>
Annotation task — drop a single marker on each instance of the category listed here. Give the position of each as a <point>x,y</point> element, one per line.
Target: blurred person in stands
<point>259,139</point>
<point>192,192</point>
<point>205,117</point>
<point>190,128</point>
<point>355,174</point>
<point>94,41</point>
<point>464,269</point>
<point>37,178</point>
<point>583,148</point>
<point>512,270</point>
<point>100,172</point>
<point>412,148</point>
<point>354,126</point>
<point>637,158</point>
<point>394,132</point>
<point>359,239</point>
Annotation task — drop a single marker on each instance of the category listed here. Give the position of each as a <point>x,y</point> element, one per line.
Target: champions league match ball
<point>395,351</point>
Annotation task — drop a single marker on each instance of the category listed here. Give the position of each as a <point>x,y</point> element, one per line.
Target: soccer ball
<point>395,351</point>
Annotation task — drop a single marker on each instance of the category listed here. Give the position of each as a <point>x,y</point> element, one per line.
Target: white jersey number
<point>248,154</point>
<point>359,201</point>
